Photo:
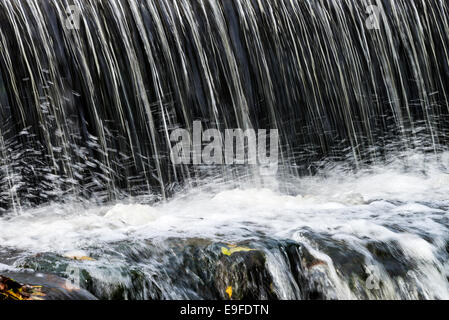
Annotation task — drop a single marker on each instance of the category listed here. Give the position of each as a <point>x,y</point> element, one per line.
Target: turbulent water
<point>357,209</point>
<point>381,233</point>
<point>88,111</point>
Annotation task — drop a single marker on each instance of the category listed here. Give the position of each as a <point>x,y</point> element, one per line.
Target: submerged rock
<point>244,273</point>
<point>316,266</point>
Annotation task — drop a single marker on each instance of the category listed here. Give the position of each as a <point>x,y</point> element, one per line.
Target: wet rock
<point>34,286</point>
<point>192,269</point>
<point>318,267</point>
<point>391,256</point>
<point>309,273</point>
<point>214,270</point>
<point>106,278</point>
<point>349,264</point>
<point>245,274</point>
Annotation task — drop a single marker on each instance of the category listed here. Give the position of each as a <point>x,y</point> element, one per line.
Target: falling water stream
<point>91,90</point>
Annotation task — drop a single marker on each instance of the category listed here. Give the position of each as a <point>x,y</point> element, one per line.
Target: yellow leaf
<point>13,295</point>
<point>83,258</point>
<point>78,255</point>
<point>225,251</point>
<point>234,249</point>
<point>229,291</point>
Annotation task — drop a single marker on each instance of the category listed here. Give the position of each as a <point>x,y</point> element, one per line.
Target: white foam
<point>382,204</point>
<point>132,214</point>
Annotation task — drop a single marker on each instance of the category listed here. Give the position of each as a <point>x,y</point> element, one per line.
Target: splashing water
<point>87,110</point>
<point>386,221</point>
<point>357,209</point>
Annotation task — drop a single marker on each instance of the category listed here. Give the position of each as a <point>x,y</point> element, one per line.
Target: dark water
<point>87,112</point>
<point>361,106</point>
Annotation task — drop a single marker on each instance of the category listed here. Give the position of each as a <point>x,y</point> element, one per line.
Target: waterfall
<point>89,109</point>
<point>91,90</point>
